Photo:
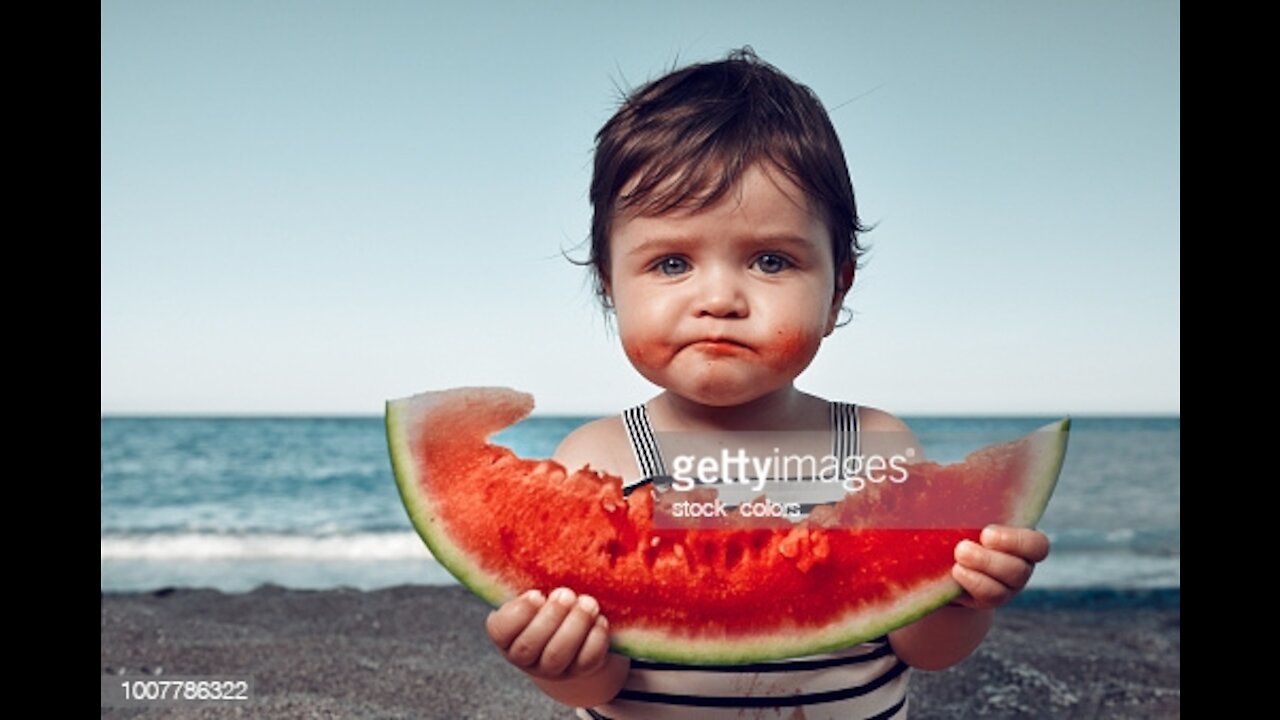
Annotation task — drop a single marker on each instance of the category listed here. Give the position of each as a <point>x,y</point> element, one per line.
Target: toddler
<point>724,240</point>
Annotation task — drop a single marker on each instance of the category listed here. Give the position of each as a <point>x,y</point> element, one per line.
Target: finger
<point>1031,545</point>
<point>507,622</point>
<point>984,590</point>
<point>526,649</point>
<point>1009,570</point>
<point>563,647</point>
<point>595,649</point>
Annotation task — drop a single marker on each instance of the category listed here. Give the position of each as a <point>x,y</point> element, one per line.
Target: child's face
<point>729,303</point>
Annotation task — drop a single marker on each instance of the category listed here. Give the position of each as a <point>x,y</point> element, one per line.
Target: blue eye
<point>771,264</point>
<point>672,266</point>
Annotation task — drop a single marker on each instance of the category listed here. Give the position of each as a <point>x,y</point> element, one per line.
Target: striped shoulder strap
<point>643,444</point>
<point>845,439</point>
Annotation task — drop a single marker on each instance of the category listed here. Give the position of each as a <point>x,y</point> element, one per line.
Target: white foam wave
<point>203,546</point>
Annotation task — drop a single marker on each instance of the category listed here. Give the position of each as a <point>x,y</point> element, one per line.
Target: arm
<point>991,574</point>
<point>562,643</point>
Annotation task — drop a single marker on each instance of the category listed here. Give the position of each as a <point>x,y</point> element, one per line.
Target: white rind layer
<point>405,419</point>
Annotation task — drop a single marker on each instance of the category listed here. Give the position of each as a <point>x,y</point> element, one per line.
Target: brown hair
<point>685,139</point>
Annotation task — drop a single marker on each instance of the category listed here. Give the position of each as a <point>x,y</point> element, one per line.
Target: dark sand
<point>420,652</point>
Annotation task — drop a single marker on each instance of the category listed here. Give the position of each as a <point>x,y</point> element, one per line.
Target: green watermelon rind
<point>662,644</point>
<point>400,414</point>
<point>863,626</point>
<point>1052,453</point>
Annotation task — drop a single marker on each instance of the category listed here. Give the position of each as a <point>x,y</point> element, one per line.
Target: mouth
<point>720,346</point>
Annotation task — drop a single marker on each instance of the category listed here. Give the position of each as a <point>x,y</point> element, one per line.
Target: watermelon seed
<point>709,553</point>
<point>650,556</point>
<point>732,554</point>
<point>615,550</point>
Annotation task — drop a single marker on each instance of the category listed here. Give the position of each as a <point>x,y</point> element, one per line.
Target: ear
<point>606,293</point>
<point>844,281</point>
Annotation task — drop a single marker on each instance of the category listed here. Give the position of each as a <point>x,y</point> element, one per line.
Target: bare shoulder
<point>877,420</point>
<point>883,433</point>
<point>601,444</point>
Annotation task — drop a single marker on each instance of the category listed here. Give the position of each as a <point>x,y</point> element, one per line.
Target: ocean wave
<point>1156,542</point>
<point>206,546</point>
<point>332,543</point>
<point>238,562</point>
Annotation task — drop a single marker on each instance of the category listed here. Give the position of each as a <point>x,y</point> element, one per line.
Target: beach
<point>420,652</point>
<point>314,584</point>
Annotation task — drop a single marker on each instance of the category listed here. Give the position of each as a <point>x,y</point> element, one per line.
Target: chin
<point>723,393</point>
<point>719,401</point>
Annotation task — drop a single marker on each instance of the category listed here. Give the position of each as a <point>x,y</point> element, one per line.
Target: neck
<point>784,409</point>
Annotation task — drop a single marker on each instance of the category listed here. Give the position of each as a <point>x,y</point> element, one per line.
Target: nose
<point>721,294</point>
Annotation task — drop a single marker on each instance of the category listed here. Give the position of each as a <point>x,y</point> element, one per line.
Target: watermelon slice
<point>502,524</point>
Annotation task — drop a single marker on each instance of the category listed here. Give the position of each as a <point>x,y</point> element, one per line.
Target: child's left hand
<point>993,572</point>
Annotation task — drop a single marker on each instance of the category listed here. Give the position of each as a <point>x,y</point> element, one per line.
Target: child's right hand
<point>557,638</point>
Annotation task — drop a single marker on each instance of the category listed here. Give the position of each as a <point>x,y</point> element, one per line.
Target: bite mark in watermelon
<point>502,524</point>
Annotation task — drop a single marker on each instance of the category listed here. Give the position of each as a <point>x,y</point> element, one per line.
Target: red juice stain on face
<point>789,347</point>
<point>644,352</point>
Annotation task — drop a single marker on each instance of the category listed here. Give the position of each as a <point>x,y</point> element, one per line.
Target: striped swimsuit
<point>864,681</point>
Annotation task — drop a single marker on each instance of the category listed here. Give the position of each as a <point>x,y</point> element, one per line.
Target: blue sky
<point>311,207</point>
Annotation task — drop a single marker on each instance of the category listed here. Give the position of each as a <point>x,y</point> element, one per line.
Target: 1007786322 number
<point>152,692</point>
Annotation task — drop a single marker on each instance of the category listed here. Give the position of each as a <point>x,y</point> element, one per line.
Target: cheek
<point>791,347</point>
<point>644,347</point>
<point>644,332</point>
<point>642,352</point>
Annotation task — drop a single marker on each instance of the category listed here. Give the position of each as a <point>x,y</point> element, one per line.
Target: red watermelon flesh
<point>502,524</point>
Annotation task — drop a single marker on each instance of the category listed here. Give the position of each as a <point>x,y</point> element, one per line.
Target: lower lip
<point>720,348</point>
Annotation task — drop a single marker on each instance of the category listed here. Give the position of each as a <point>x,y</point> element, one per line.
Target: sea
<point>233,503</point>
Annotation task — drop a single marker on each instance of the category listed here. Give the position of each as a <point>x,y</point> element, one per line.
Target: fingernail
<point>563,595</point>
<point>603,622</point>
<point>990,535</point>
<point>588,604</point>
<point>966,548</point>
<point>534,596</point>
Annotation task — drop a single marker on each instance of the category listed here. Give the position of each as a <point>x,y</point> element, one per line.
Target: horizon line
<point>303,415</point>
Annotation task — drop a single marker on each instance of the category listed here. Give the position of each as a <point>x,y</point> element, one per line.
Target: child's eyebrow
<point>674,243</point>
<point>661,244</point>
<point>781,240</point>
